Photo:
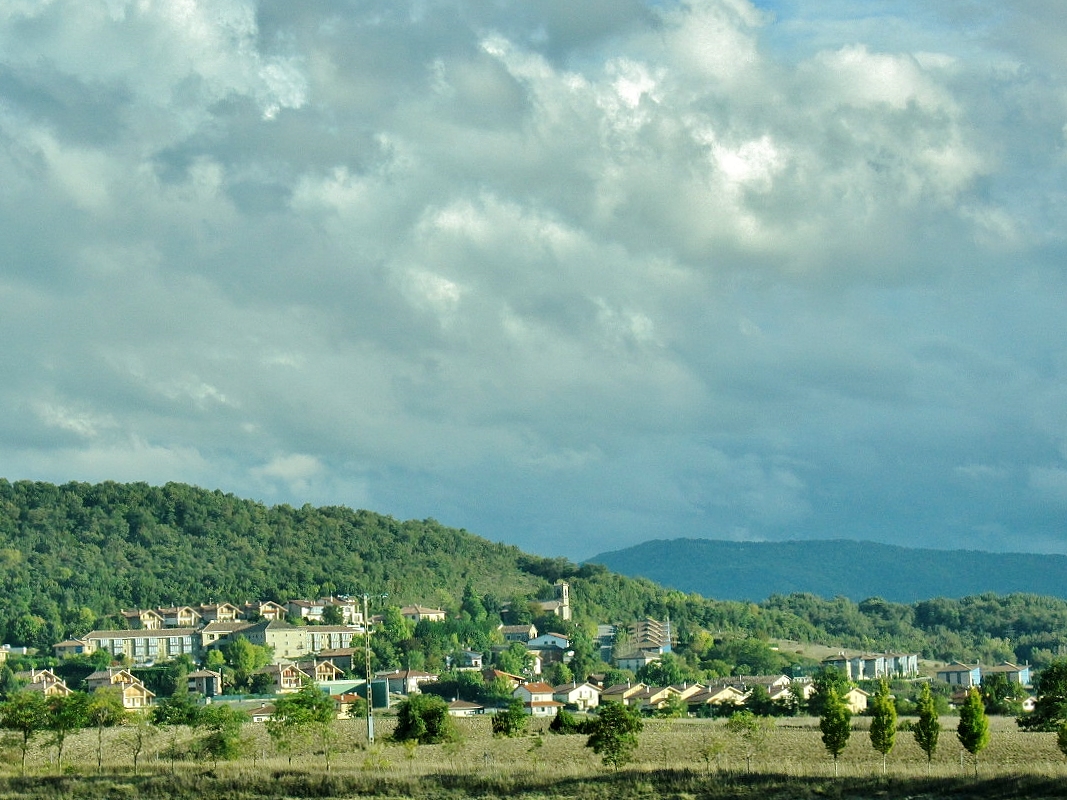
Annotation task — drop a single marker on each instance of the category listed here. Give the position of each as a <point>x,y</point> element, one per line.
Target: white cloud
<point>296,470</point>
<point>617,268</point>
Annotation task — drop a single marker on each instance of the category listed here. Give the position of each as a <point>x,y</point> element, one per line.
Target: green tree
<point>673,707</point>
<point>332,615</point>
<point>835,724</point>
<point>516,660</point>
<point>1050,708</point>
<point>928,728</point>
<point>472,604</point>
<point>222,742</point>
<point>883,722</point>
<point>973,730</point>
<point>244,658</point>
<point>25,713</point>
<point>105,711</point>
<point>1001,695</point>
<point>668,670</point>
<point>424,718</point>
<point>510,721</point>
<point>825,679</point>
<point>759,701</point>
<point>752,731</point>
<point>297,717</point>
<point>67,714</point>
<point>613,733</point>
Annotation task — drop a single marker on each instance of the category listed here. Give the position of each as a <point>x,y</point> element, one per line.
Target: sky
<point>569,275</point>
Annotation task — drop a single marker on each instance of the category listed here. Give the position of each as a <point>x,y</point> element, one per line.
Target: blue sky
<point>567,275</point>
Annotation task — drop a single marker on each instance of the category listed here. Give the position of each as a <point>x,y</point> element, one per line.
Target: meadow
<point>685,758</point>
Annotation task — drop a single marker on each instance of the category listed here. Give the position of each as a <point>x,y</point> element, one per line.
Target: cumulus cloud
<point>629,269</point>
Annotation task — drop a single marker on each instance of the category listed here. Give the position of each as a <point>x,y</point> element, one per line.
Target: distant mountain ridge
<point>754,571</point>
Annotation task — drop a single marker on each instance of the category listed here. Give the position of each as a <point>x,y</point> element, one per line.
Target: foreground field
<point>682,758</point>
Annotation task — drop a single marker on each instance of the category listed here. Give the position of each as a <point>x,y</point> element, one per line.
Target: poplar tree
<point>883,723</point>
<point>835,724</point>
<point>928,728</point>
<point>973,730</point>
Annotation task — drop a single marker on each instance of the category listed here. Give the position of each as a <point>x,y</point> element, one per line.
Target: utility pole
<point>370,676</point>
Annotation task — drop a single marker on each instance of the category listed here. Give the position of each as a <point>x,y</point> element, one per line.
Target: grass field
<point>686,758</point>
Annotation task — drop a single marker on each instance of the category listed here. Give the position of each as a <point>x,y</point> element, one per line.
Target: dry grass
<point>679,758</point>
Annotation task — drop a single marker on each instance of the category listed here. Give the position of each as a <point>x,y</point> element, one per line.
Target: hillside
<point>857,570</point>
<point>72,556</point>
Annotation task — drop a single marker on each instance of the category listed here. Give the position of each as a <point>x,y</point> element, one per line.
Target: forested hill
<point>857,570</point>
<point>73,556</point>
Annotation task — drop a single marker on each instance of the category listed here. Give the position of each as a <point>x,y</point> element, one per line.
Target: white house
<point>537,699</point>
<point>582,696</point>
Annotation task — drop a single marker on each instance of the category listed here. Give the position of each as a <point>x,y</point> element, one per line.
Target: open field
<point>681,758</point>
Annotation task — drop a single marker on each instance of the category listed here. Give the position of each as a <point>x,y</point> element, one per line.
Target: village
<point>326,642</point>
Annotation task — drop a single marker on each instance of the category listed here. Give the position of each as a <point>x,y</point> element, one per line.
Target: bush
<point>424,718</point>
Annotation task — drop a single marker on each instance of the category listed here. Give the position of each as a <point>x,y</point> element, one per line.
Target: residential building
<point>580,696</point>
<point>856,700</point>
<point>349,659</point>
<point>215,634</point>
<point>957,674</point>
<point>470,660</point>
<point>71,647</point>
<point>490,675</point>
<point>133,692</point>
<point>406,681</point>
<point>417,614</point>
<point>462,708</point>
<point>44,681</point>
<point>518,633</point>
<point>145,646</point>
<point>180,617</point>
<point>263,609</point>
<point>144,619</point>
<point>330,637</point>
<point>622,692</point>
<point>264,713</point>
<point>537,699</point>
<point>633,660</point>
<point>288,642</point>
<point>718,695</point>
<point>204,682</point>
<point>1013,672</point>
<point>219,612</point>
<point>285,677</point>
<point>550,648</point>
<point>321,670</point>
<point>549,640</point>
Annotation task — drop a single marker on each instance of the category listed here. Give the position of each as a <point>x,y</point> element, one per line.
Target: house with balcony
<point>133,692</point>
<point>285,677</point>
<point>579,696</point>
<point>43,681</point>
<point>145,647</point>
